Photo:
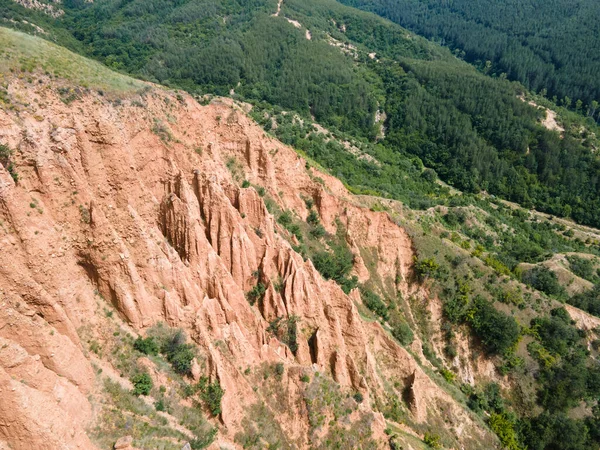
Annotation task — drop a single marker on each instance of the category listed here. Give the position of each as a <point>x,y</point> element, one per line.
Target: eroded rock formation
<point>144,206</point>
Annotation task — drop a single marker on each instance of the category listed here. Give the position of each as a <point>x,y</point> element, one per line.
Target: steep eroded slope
<point>137,199</point>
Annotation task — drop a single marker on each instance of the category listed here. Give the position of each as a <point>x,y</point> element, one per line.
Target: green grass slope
<point>21,52</point>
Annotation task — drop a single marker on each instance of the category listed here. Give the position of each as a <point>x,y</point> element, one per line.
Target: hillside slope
<point>176,274</point>
<point>139,206</point>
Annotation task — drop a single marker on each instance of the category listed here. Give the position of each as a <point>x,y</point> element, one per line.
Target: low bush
<point>373,301</point>
<point>6,161</point>
<point>582,267</point>
<point>147,346</point>
<point>318,231</point>
<point>432,440</point>
<point>505,430</point>
<point>256,293</point>
<point>211,394</point>
<point>588,300</point>
<point>544,280</point>
<point>402,332</point>
<point>336,265</point>
<point>498,331</point>
<point>142,384</point>
<point>313,218</point>
<point>286,330</point>
<point>178,353</point>
<point>428,268</point>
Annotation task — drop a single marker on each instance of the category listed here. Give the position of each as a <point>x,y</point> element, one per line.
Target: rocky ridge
<point>139,200</point>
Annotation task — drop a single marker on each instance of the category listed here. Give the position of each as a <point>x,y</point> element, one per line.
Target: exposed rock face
<point>144,205</point>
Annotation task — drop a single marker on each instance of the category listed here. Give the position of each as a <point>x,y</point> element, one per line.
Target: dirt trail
<point>550,120</point>
<point>295,23</point>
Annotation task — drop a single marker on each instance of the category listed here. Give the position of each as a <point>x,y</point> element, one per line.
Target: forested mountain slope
<point>350,69</point>
<point>546,45</point>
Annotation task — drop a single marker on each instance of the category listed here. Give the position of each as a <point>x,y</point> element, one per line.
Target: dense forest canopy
<point>550,46</point>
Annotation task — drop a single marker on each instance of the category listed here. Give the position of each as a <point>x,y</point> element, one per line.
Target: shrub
<point>549,430</point>
<point>286,330</point>
<point>211,394</point>
<point>510,297</point>
<point>428,268</point>
<point>374,302</point>
<point>451,219</point>
<point>278,285</point>
<point>588,300</point>
<point>305,378</point>
<point>403,333</point>
<point>336,265</point>
<point>455,308</point>
<point>313,218</point>
<point>432,440</point>
<point>489,399</point>
<point>204,441</point>
<point>147,346</point>
<point>556,332</point>
<point>498,331</point>
<point>142,384</point>
<point>256,293</point>
<point>285,218</point>
<point>582,267</point>
<point>496,265</point>
<point>504,429</point>
<point>393,410</point>
<point>5,160</point>
<point>178,353</point>
<point>318,231</point>
<point>294,228</point>
<point>448,375</point>
<point>358,397</point>
<point>543,279</point>
<point>450,351</point>
<point>429,175</point>
<point>182,360</point>
<point>279,370</point>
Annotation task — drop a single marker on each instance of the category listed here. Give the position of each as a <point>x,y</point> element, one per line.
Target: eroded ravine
<point>140,201</point>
